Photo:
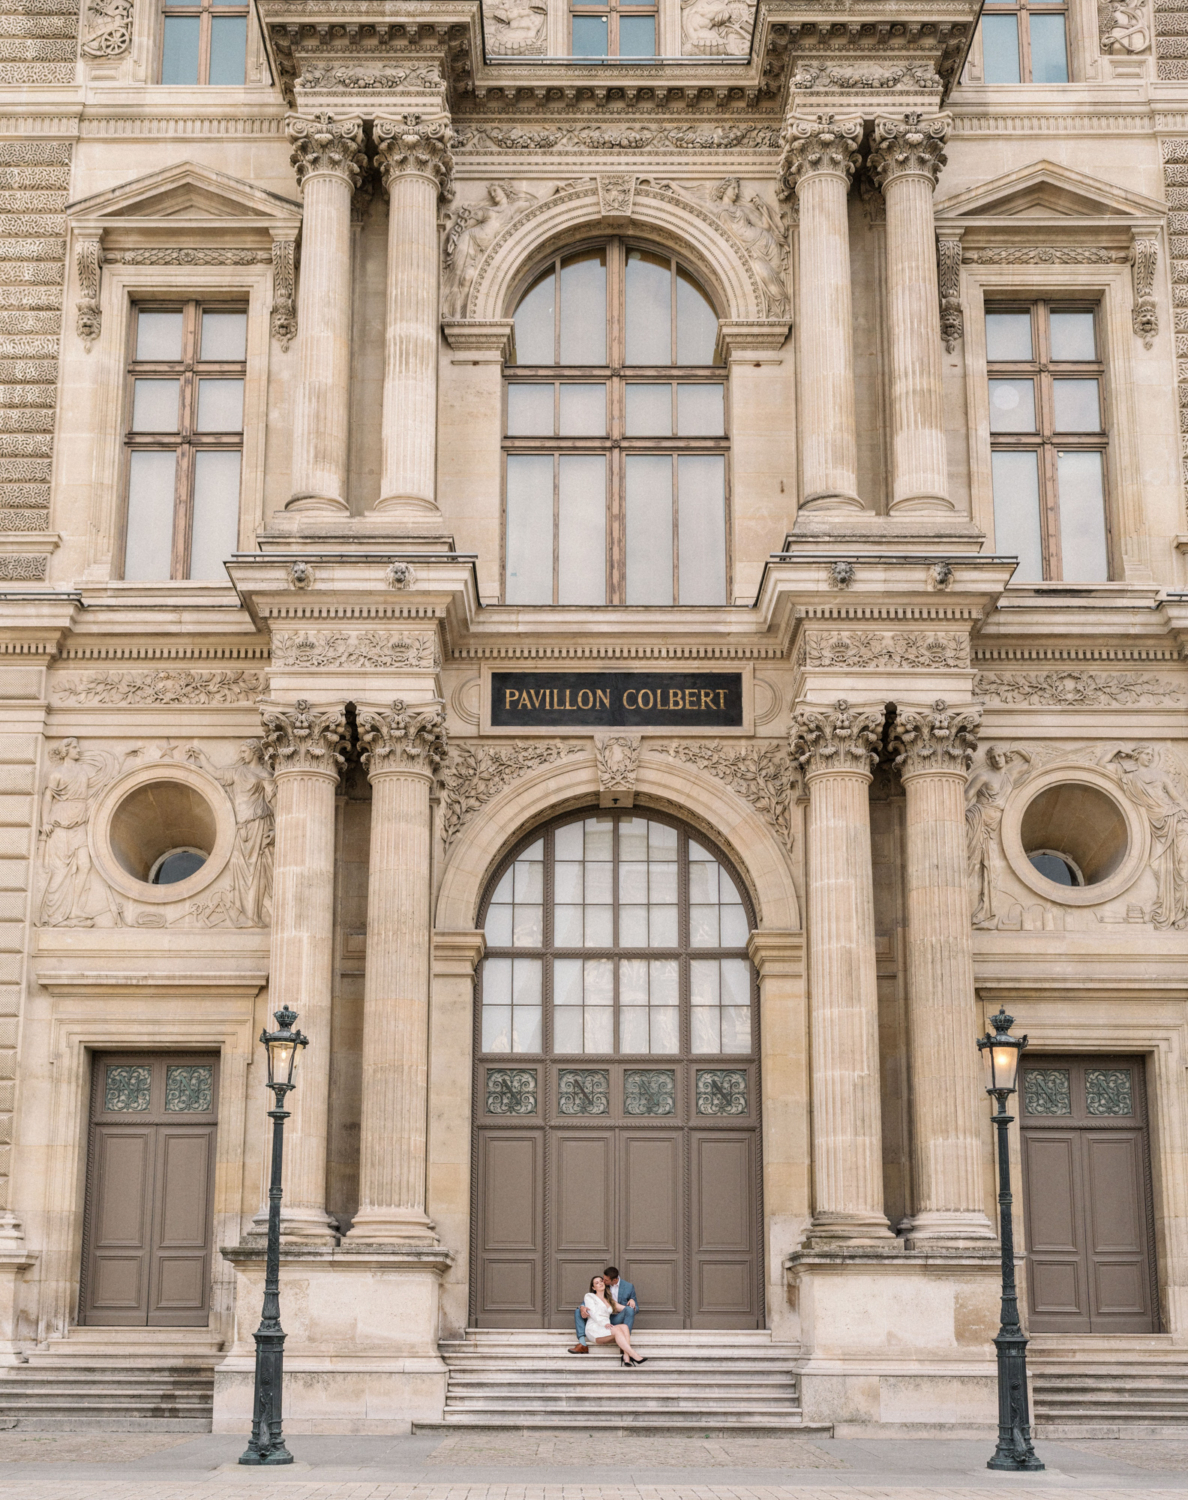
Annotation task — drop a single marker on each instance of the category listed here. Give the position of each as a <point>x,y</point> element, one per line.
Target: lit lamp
<point>1000,1054</point>
<point>267,1442</point>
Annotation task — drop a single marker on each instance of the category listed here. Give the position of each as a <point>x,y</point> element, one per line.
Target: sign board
<point>615,700</point>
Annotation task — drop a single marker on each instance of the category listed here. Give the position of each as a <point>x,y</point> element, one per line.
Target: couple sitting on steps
<point>607,1316</point>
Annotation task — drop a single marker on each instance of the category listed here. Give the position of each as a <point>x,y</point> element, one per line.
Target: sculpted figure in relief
<point>73,894</point>
<point>754,224</point>
<point>717,28</point>
<point>1150,787</point>
<point>515,28</point>
<point>986,793</point>
<point>474,230</point>
<point>248,902</point>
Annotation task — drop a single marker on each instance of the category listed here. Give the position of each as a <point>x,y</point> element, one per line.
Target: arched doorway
<point>616,1079</point>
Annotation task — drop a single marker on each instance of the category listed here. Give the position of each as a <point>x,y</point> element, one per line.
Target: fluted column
<point>836,748</point>
<point>416,163</point>
<point>819,159</point>
<point>935,748</point>
<point>328,155</point>
<point>905,160</point>
<point>404,748</point>
<point>303,747</point>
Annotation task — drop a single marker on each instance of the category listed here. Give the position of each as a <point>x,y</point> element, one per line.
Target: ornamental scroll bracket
<point>1144,257</point>
<point>948,267</point>
<point>89,257</point>
<point>283,314</point>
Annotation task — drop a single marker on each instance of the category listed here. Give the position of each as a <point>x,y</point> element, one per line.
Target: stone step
<point>654,1401</point>
<point>544,1380</point>
<point>107,1398</point>
<point>711,1425</point>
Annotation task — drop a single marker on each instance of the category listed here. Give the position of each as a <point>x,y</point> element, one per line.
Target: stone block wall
<point>1171,51</point>
<point>18,773</point>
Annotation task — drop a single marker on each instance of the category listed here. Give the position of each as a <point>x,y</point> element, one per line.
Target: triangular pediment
<point>186,192</point>
<point>1047,191</point>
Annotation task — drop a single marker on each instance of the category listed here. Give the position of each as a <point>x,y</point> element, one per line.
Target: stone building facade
<point>627,563</point>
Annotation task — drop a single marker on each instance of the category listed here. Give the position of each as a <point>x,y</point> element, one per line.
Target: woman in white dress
<point>600,1307</point>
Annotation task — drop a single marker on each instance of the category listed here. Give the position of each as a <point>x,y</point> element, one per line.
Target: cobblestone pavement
<point>587,1451</point>
<point>84,1447</point>
<point>316,1490</point>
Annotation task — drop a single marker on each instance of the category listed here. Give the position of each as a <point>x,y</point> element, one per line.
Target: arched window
<point>616,422</point>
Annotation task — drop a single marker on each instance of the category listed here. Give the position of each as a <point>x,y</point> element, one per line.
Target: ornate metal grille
<point>583,1091</point>
<point>1046,1091</point>
<point>189,1089</point>
<point>511,1091</point>
<point>721,1091</point>
<point>649,1091</point>
<point>127,1090</point>
<point>1108,1091</point>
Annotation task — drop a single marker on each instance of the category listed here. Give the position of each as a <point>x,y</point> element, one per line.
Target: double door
<point>1087,1195</point>
<point>150,1181</point>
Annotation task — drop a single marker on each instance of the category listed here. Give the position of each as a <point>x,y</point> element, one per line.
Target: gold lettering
<point>588,696</point>
<point>602,697</point>
<point>534,694</point>
<point>630,693</point>
<point>707,698</point>
<point>676,699</point>
<point>508,695</point>
<point>721,697</point>
<point>640,696</point>
<point>568,704</point>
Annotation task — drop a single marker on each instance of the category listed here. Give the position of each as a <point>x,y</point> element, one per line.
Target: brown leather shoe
<point>579,1349</point>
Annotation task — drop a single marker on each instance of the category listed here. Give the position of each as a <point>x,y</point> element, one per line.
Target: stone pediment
<point>186,194</point>
<point>1049,193</point>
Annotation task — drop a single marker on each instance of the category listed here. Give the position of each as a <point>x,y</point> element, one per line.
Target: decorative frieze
<point>303,738</point>
<point>918,78</point>
<point>841,738</point>
<point>1044,255</point>
<point>936,739</point>
<point>476,773</point>
<point>411,737</point>
<point>188,255</point>
<point>164,688</point>
<point>332,79</point>
<point>1072,688</point>
<point>763,774</point>
<point>582,139</point>
<point>344,648</point>
<point>323,143</point>
<point>884,649</point>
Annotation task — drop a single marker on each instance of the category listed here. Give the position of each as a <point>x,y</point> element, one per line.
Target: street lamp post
<point>267,1443</point>
<point>1000,1053</point>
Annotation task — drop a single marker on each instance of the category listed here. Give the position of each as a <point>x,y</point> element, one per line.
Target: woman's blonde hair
<point>598,1276</point>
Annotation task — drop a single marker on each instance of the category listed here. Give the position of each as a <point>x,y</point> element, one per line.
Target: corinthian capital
<point>939,738</point>
<point>908,146</point>
<point>841,738</point>
<point>412,143</point>
<point>302,738</point>
<point>412,737</point>
<point>323,143</point>
<point>824,145</point>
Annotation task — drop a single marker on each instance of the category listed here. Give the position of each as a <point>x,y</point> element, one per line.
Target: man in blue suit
<point>623,1292</point>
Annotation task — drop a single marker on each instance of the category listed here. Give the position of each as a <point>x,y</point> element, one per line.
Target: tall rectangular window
<point>613,28</point>
<point>1048,440</point>
<point>184,440</point>
<point>1025,41</point>
<point>204,42</point>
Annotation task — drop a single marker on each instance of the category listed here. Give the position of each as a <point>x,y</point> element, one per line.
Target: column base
<point>391,1226</point>
<point>941,1227</point>
<point>411,515</point>
<point>839,502</point>
<point>922,505</point>
<point>830,1229</point>
<point>302,1226</point>
<point>319,505</point>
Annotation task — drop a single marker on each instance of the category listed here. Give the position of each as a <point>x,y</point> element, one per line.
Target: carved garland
<point>1089,688</point>
<point>477,773</point>
<point>367,648</point>
<point>166,687</point>
<point>764,775</point>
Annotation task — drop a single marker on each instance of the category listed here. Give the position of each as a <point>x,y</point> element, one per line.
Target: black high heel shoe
<point>642,1361</point>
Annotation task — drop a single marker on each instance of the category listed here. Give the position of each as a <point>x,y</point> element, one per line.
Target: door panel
<point>148,1243</point>
<point>724,1290</point>
<point>1086,1202</point>
<point>651,1229</point>
<point>509,1212</point>
<point>584,1226</point>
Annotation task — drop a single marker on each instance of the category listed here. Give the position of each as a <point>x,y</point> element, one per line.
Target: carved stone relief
<point>473,229</point>
<point>885,649</point>
<point>756,228</point>
<point>167,686</point>
<point>717,28</point>
<point>515,28</point>
<point>948,266</point>
<point>328,78</point>
<point>764,774</point>
<point>1093,689</point>
<point>476,773</point>
<point>108,28</point>
<point>1044,255</point>
<point>247,899</point>
<point>72,893</point>
<point>284,292</point>
<point>617,757</point>
<point>1123,27</point>
<point>918,79</point>
<point>986,793</point>
<point>584,138</point>
<point>89,323</point>
<point>345,648</point>
<point>1144,314</point>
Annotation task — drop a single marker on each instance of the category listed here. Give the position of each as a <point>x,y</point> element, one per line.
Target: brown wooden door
<point>1087,1201</point>
<point>616,1081</point>
<point>150,1180</point>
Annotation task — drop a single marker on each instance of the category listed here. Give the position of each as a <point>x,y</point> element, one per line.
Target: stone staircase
<point>113,1380</point>
<point>695,1381</point>
<point>1109,1387</point>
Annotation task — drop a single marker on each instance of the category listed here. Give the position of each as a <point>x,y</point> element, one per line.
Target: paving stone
<point>83,1447</point>
<point>585,1451</point>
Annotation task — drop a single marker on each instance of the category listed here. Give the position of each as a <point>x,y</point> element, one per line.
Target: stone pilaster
<point>405,747</point>
<point>303,747</point>
<point>935,749</point>
<point>417,166</point>
<point>837,748</point>
<point>818,161</point>
<point>905,160</point>
<point>329,158</point>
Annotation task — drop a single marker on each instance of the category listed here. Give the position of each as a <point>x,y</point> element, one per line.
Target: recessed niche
<point>163,832</point>
<point>1074,834</point>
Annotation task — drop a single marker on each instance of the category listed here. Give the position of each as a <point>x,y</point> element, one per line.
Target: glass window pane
<point>697,323</point>
<point>736,1028</point>
<point>215,528</point>
<point>581,539</point>
<point>1049,54</point>
<point>1083,557</point>
<point>530,410</point>
<point>633,1029</point>
<point>228,50</point>
<point>637,36</point>
<point>589,36</point>
<point>701,508</point>
<point>534,324</point>
<point>1012,406</point>
<point>498,926</point>
<point>649,529</point>
<point>583,309</point>
<point>150,515</point>
<point>649,411</point>
<point>583,410</point>
<point>224,335</point>
<point>1017,513</point>
<point>1008,336</point>
<point>496,1026</point>
<point>1000,49</point>
<point>649,309</point>
<point>179,51</point>
<point>526,1028</point>
<point>220,406</point>
<point>1076,405</point>
<point>154,405</point>
<point>701,411</point>
<point>1074,335</point>
<point>529,529</point>
<point>158,335</point>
